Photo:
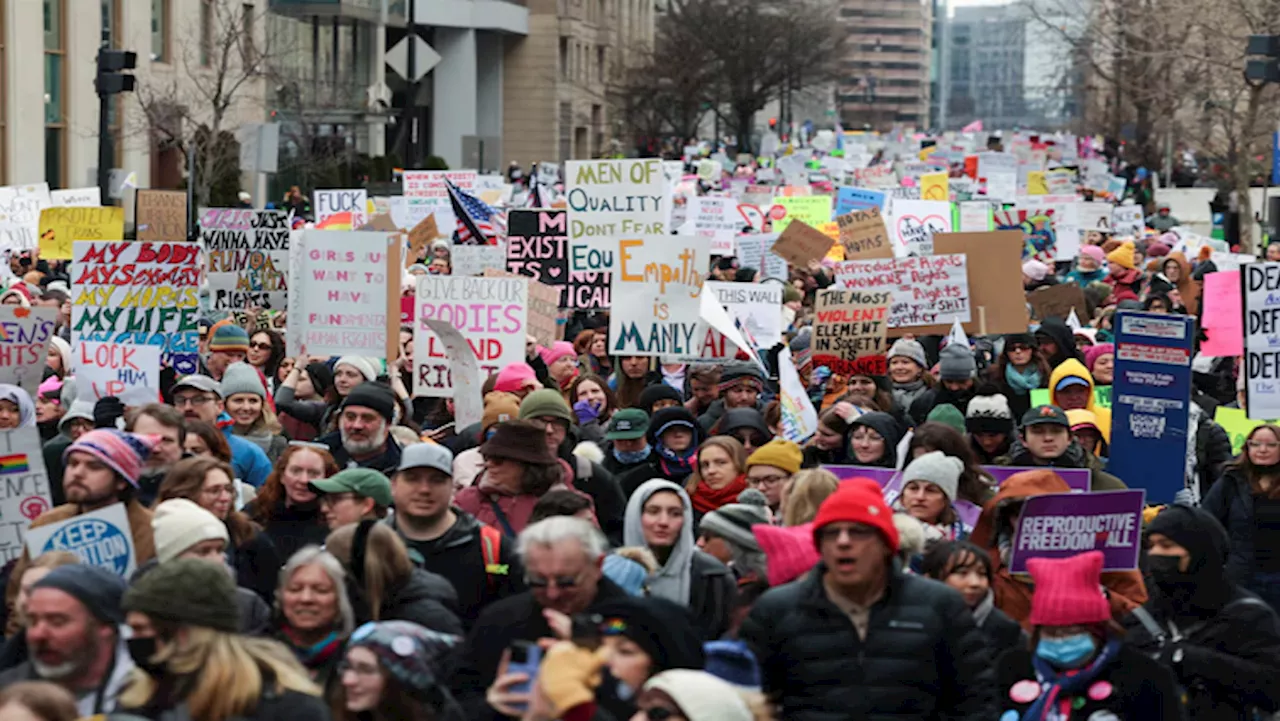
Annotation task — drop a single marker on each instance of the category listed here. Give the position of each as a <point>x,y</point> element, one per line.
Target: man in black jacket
<point>1221,641</point>
<point>858,638</point>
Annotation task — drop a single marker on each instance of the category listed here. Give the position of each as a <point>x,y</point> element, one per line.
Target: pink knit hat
<point>558,350</point>
<point>1094,352</point>
<point>789,551</point>
<point>1068,591</point>
<point>124,452</point>
<point>515,378</point>
<point>1094,252</point>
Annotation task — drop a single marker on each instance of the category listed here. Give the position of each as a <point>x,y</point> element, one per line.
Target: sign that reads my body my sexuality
<point>248,258</point>
<point>613,199</point>
<point>490,313</point>
<point>657,288</point>
<point>338,301</point>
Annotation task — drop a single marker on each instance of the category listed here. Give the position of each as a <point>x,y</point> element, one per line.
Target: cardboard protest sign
<point>1151,400</point>
<point>20,208</point>
<point>538,247</point>
<point>801,243</point>
<point>1036,184</point>
<point>138,292</point>
<point>849,330</point>
<point>924,291</point>
<point>24,492</point>
<point>419,237</point>
<point>60,226</point>
<point>491,314</point>
<point>1101,396</point>
<point>1260,284</point>
<point>100,538</point>
<point>160,214</point>
<point>863,235</point>
<point>338,293</point>
<point>1039,241</point>
<point>1079,479</point>
<point>1221,315</point>
<point>1094,216</point>
<point>330,203</point>
<point>812,209</point>
<point>933,186</point>
<point>914,223</point>
<point>24,344</point>
<point>476,259</point>
<point>1061,525</point>
<point>851,199</point>
<point>799,417</point>
<point>657,288</point>
<point>248,258</point>
<point>613,199</point>
<point>128,372</point>
<point>1057,301</point>
<point>464,374</point>
<point>754,252</point>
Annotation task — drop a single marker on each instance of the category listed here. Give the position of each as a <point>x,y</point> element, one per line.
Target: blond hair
<point>227,672</point>
<point>386,561</point>
<point>805,493</point>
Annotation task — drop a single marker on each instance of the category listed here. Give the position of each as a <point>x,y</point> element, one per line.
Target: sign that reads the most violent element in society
<point>490,313</point>
<point>657,288</point>
<point>248,258</point>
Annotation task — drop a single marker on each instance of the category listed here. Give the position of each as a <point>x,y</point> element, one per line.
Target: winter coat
<point>490,505</point>
<point>1019,403</point>
<point>1124,286</point>
<point>1073,368</point>
<point>1141,689</point>
<point>1210,449</point>
<point>923,657</point>
<point>257,565</point>
<point>1013,595</point>
<point>1230,500</point>
<point>1083,278</point>
<point>934,397</point>
<point>1074,457</point>
<point>52,452</point>
<point>1062,335</point>
<point>715,411</point>
<point>1002,633</point>
<point>426,599</point>
<point>86,703</point>
<point>593,480</point>
<point>292,527</point>
<point>248,460</point>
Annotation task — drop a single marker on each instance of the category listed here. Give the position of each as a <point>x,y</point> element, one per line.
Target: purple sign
<point>1076,478</point>
<point>888,478</point>
<point>969,513</point>
<point>1062,525</point>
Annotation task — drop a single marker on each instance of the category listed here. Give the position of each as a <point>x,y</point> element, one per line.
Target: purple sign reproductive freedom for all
<point>1067,524</point>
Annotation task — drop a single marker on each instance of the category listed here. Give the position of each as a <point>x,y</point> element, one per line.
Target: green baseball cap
<point>627,424</point>
<point>364,482</point>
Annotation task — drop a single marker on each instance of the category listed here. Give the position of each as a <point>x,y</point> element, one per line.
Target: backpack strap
<point>1149,623</point>
<point>491,552</point>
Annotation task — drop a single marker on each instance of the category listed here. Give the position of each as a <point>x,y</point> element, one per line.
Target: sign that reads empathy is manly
<point>248,258</point>
<point>657,284</point>
<point>490,313</point>
<point>1061,525</point>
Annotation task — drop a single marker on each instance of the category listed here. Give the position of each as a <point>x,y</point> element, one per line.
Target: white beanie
<point>701,696</point>
<point>361,364</point>
<point>179,524</point>
<point>937,468</point>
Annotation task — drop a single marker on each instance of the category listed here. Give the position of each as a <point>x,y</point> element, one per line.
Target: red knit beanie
<point>1068,591</point>
<point>858,500</point>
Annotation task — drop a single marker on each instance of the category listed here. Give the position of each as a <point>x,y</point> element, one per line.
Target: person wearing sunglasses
<point>1020,369</point>
<point>746,425</point>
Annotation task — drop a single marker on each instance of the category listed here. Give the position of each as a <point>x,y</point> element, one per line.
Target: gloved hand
<point>569,674</point>
<point>586,412</point>
<point>107,411</point>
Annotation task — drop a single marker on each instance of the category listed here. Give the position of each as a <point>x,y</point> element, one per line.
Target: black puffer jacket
<point>427,599</point>
<point>923,657</point>
<point>1231,502</point>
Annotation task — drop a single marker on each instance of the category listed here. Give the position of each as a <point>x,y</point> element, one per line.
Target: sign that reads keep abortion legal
<point>141,293</point>
<point>100,538</point>
<point>24,343</point>
<point>248,258</point>
<point>613,199</point>
<point>538,247</point>
<point>24,487</point>
<point>338,301</point>
<point>333,202</point>
<point>657,288</point>
<point>490,313</point>
<point>1061,525</point>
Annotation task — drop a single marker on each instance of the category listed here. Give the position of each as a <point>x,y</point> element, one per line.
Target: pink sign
<point>406,309</point>
<point>1221,315</point>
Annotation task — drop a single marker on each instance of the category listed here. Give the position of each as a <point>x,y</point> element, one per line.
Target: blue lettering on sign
<point>95,541</point>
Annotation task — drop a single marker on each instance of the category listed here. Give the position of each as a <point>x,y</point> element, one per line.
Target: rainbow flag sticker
<point>14,463</point>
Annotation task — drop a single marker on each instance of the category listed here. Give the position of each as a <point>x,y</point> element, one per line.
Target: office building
<point>885,73</point>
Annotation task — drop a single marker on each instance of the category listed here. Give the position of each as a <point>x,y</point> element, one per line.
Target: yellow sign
<point>1237,424</point>
<point>934,186</point>
<point>812,209</point>
<point>59,227</point>
<point>1036,184</point>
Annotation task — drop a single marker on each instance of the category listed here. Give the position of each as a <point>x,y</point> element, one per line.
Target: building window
<point>564,58</point>
<point>206,33</point>
<point>248,50</point>
<point>160,31</point>
<point>55,115</point>
<point>600,63</point>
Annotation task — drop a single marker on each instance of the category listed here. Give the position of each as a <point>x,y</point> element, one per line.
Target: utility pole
<point>412,159</point>
<point>110,82</point>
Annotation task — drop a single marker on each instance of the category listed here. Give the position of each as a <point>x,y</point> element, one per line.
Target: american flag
<point>478,224</point>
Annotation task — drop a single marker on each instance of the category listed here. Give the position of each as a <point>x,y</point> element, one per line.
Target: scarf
<point>906,393</point>
<point>568,380</point>
<point>706,499</point>
<point>675,465</point>
<point>982,611</point>
<point>316,654</point>
<point>1022,382</point>
<point>630,458</point>
<point>1071,682</point>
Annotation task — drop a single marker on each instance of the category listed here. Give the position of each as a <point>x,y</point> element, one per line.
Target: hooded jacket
<point>1073,368</point>
<point>425,598</point>
<point>1188,289</point>
<point>887,427</point>
<point>689,577</point>
<point>994,530</point>
<point>735,418</point>
<point>1074,457</point>
<point>1060,333</point>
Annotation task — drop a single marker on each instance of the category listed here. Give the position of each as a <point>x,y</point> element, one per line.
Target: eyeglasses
<point>193,401</point>
<point>767,480</point>
<point>1018,347</point>
<point>559,581</point>
<point>1263,445</point>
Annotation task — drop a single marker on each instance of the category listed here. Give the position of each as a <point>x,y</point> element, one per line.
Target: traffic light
<point>1268,70</point>
<point>111,80</point>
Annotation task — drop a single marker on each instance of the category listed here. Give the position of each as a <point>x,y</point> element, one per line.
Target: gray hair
<point>557,529</point>
<point>317,556</point>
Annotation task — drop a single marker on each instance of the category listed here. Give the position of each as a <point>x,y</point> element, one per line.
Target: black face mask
<point>141,650</point>
<point>1166,574</point>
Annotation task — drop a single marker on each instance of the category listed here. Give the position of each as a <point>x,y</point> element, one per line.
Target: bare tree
<point>658,96</point>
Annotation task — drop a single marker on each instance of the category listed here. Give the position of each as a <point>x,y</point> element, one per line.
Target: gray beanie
<point>937,468</point>
<point>908,348</point>
<point>733,521</point>
<point>97,589</point>
<point>956,363</point>
<point>242,378</point>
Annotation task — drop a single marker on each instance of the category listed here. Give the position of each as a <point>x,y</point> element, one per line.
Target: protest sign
<point>60,226</point>
<point>863,235</point>
<point>1094,216</point>
<point>138,292</point>
<point>1221,315</point>
<point>924,291</point>
<point>25,487</point>
<point>799,417</point>
<point>657,284</point>
<point>1059,181</point>
<point>1039,241</point>
<point>1036,184</point>
<point>1101,396</point>
<point>719,336</point>
<point>420,236</point>
<point>851,199</point>
<point>751,310</point>
<point>476,259</point>
<point>812,209</point>
<point>849,330</point>
<point>1260,285</point>
<point>975,216</point>
<point>1237,424</point>
<point>1057,301</point>
<point>801,243</point>
<point>160,214</point>
<point>338,293</point>
<point>1150,402</point>
<point>754,252</point>
<point>715,218</point>
<point>885,477</point>
<point>613,199</point>
<point>76,197</point>
<point>329,203</point>
<point>248,258</point>
<point>491,315</point>
<point>20,208</point>
<point>128,372</point>
<point>24,344</point>
<point>1079,479</point>
<point>913,224</point>
<point>933,186</point>
<point>425,192</point>
<point>538,247</point>
<point>100,538</point>
<point>1061,525</point>
<point>1127,220</point>
<point>1001,186</point>
<point>549,173</point>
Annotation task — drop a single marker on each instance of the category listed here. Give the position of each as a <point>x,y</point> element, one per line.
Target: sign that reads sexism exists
<point>491,314</point>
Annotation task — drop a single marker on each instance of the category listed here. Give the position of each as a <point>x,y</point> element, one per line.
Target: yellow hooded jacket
<point>1072,368</point>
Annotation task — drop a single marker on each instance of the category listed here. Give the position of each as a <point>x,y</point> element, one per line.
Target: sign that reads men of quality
<point>657,288</point>
<point>338,298</point>
<point>538,247</point>
<point>609,200</point>
<point>248,258</point>
<point>490,313</point>
<point>1260,286</point>
<point>141,293</point>
<point>100,538</point>
<point>1061,525</point>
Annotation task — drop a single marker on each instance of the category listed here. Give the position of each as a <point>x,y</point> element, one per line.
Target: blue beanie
<point>734,662</point>
<point>626,573</point>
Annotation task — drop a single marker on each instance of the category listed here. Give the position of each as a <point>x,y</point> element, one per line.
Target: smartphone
<point>526,656</point>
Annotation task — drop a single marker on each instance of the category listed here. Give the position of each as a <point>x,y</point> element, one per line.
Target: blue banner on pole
<point>1275,158</point>
<point>1150,402</point>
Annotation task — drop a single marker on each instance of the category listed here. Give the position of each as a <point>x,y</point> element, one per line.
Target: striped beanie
<point>125,453</point>
<point>229,338</point>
